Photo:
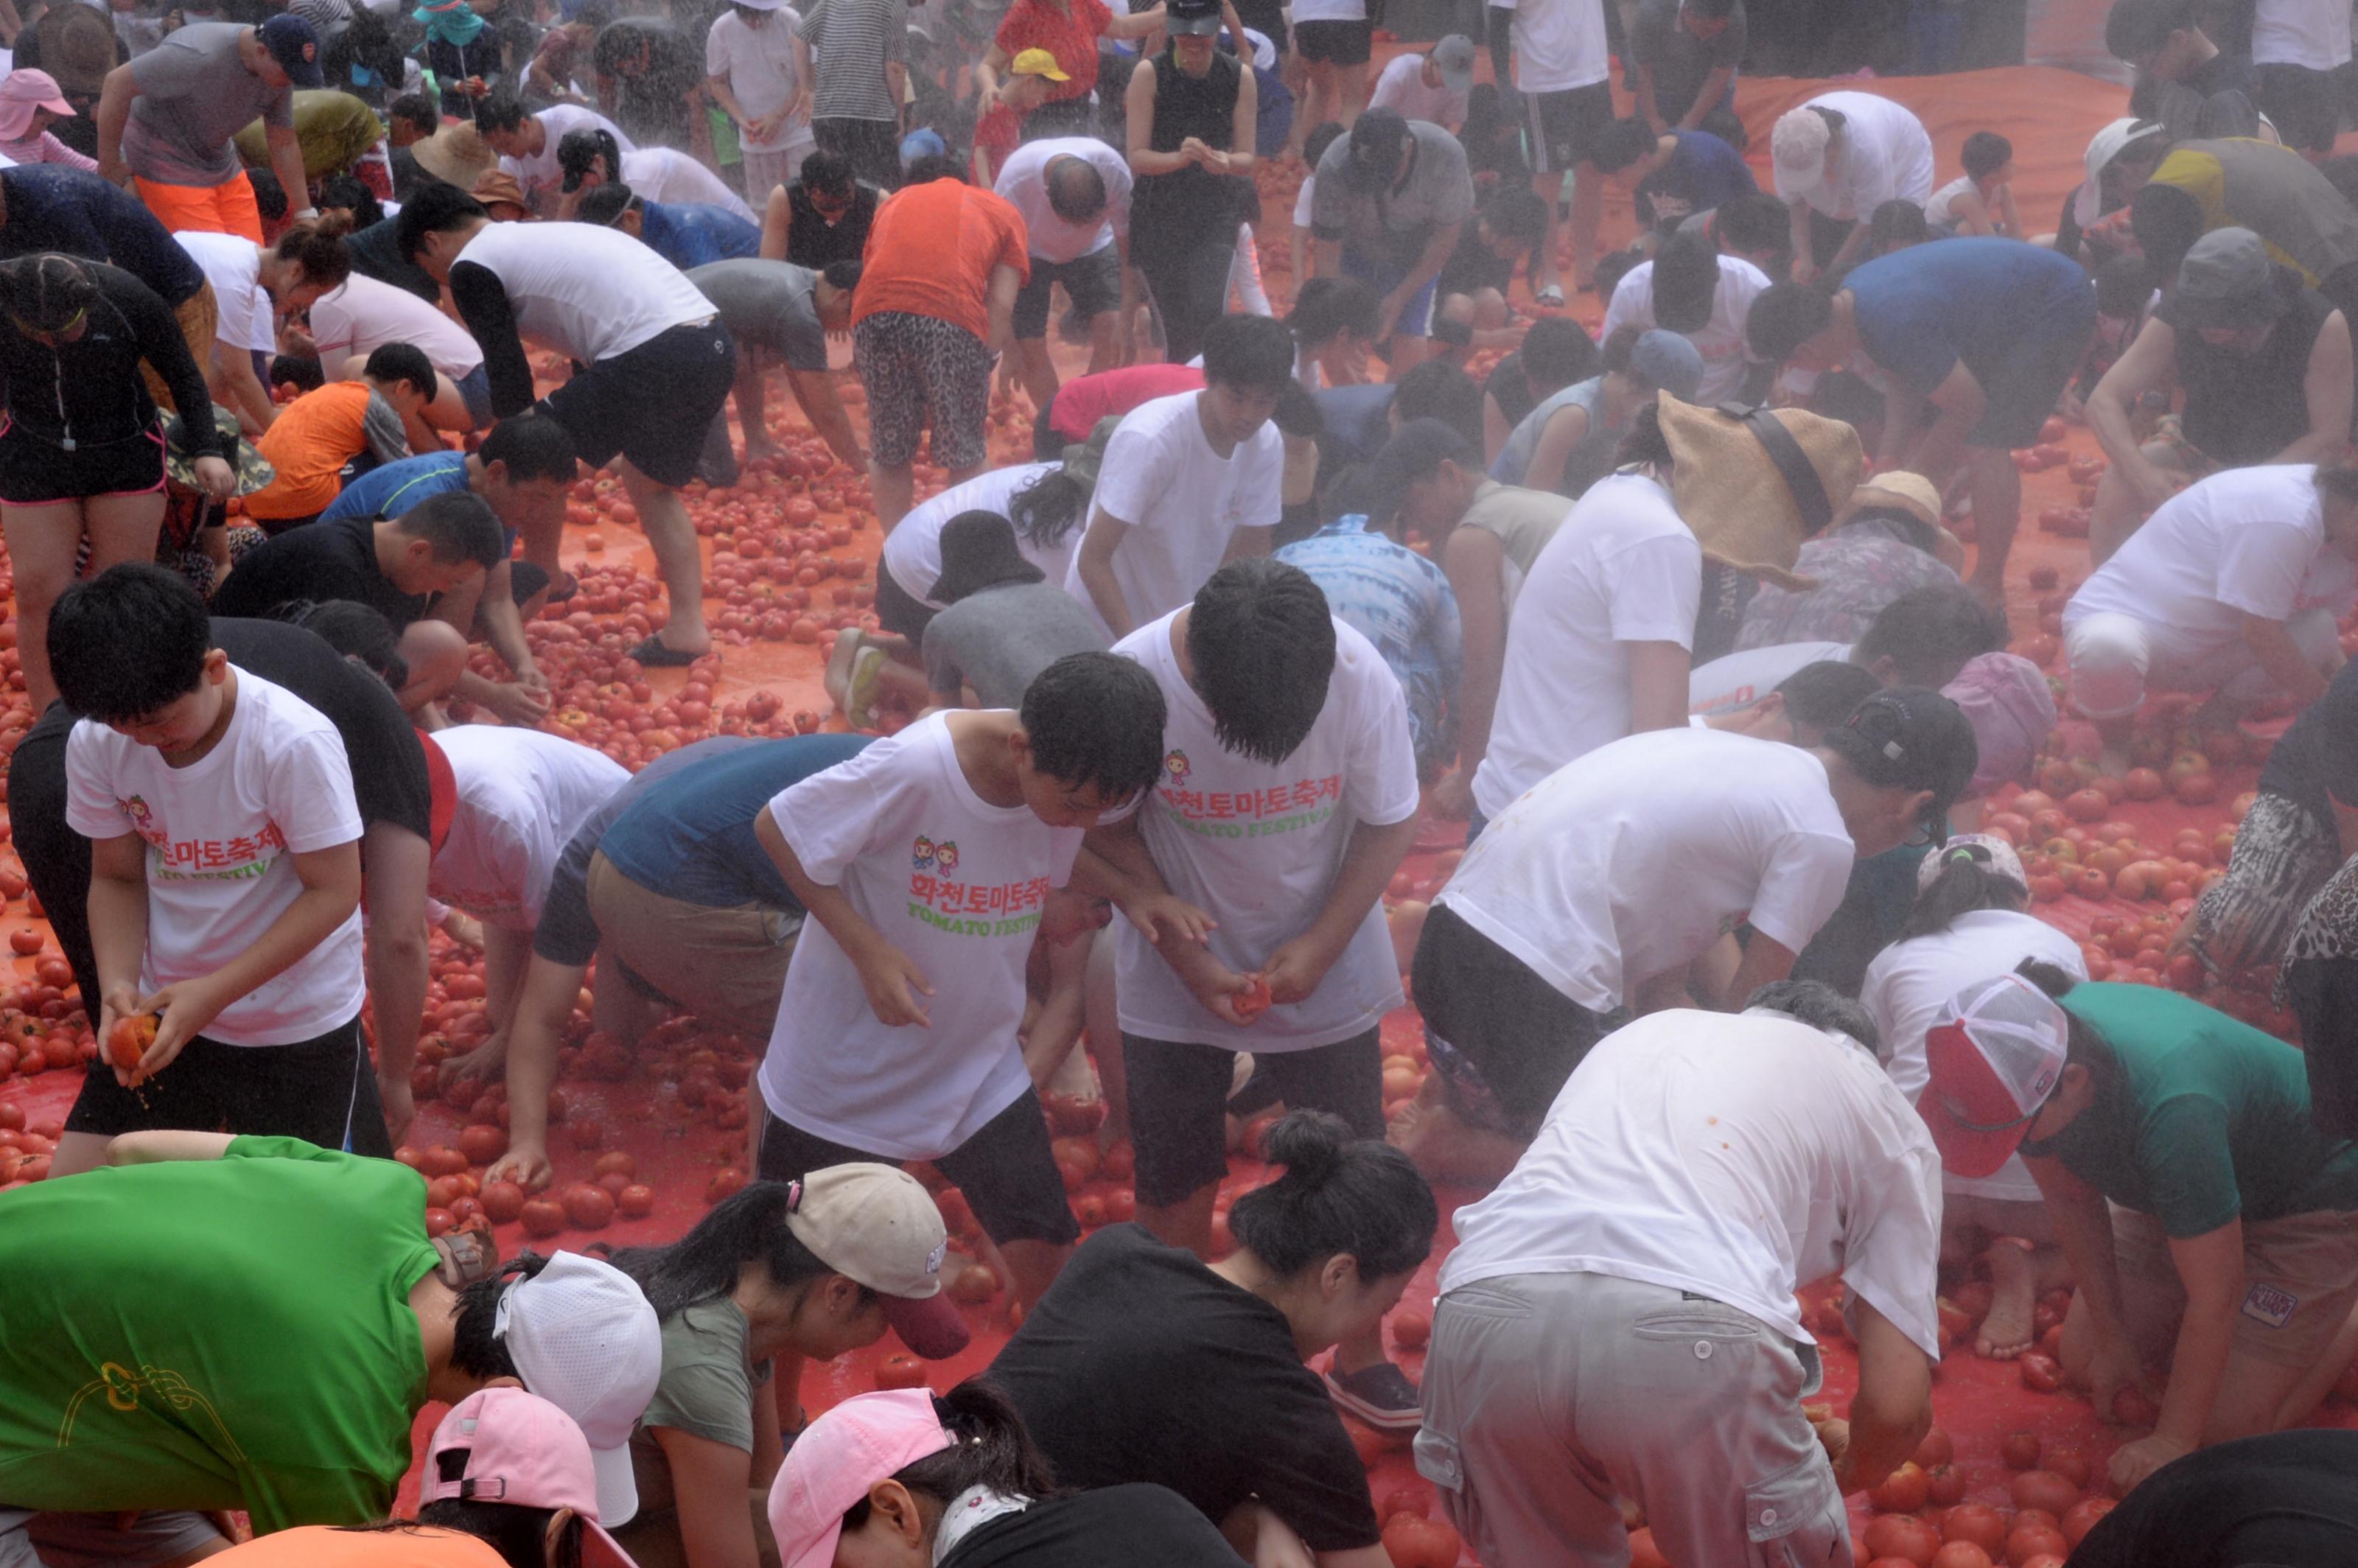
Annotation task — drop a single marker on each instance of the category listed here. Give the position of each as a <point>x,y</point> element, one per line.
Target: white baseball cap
<point>877,1224</point>
<point>584,1338</point>
<point>1797,149</point>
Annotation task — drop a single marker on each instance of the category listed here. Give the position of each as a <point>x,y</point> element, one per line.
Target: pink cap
<point>839,1456</point>
<point>24,90</point>
<point>2007,699</point>
<point>522,1450</point>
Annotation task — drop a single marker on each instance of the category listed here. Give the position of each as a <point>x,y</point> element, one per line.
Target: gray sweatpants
<point>30,1540</point>
<point>1549,1397</point>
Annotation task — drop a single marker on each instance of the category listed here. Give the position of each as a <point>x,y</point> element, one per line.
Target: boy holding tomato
<point>225,879</point>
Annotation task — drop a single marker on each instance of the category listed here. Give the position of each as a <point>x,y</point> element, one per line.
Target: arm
<point>2146,364</point>
<point>1304,268</point>
<point>1961,403</point>
<point>1005,282</point>
<point>2009,219</point>
<point>1329,255</point>
<point>2084,1226</point>
<point>709,1480</point>
<point>1499,32</point>
<point>395,861</point>
<point>1097,547</point>
<point>1854,244</point>
<point>484,308</point>
<point>114,112</point>
<point>1437,252</point>
<point>777,220</point>
<point>1972,218</point>
<point>1239,158</point>
<point>1472,558</point>
<point>2211,1268</point>
<point>1893,1408</point>
<point>1566,428</point>
<point>118,926</point>
<point>814,391</point>
<point>1647,109</point>
<point>1765,961</point>
<point>1121,867</point>
<point>286,162</point>
<point>1707,96</point>
<point>1247,542</point>
<point>894,983</point>
<point>1495,429</point>
<point>801,102</point>
<point>1294,970</point>
<point>543,1009</point>
<point>234,383</point>
<point>1657,685</point>
<point>1138,24</point>
<point>2326,388</point>
<point>986,78</point>
<point>2279,655</point>
<point>159,1145</point>
<point>1805,267</point>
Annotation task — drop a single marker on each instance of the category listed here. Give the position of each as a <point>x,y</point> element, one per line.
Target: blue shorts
<point>1383,276</point>
<point>475,392</point>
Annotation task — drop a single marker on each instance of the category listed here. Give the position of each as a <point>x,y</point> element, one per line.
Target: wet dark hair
<point>1986,152</point>
<point>1297,413</point>
<point>1557,352</point>
<point>1612,268</point>
<point>95,626</point>
<point>1896,222</point>
<point>533,446</point>
<point>1824,694</point>
<point>844,275</point>
<point>1416,453</point>
<point>1686,282</point>
<point>435,209</point>
<point>829,172</point>
<point>476,1349</point>
<point>500,111</point>
<point>1325,306</point>
<point>1754,221</point>
<point>990,1449</point>
<point>2084,1044</point>
<point>1613,355</point>
<point>520,1535</point>
<point>426,115</point>
<point>1323,134</point>
<point>1645,444</point>
<point>605,205</point>
<point>359,632</point>
<point>2134,28</point>
<point>269,196</point>
<point>1819,1005</point>
<point>1439,390</point>
<point>316,246</point>
<point>2167,220</point>
<point>1785,316</point>
<point>1353,491</point>
<point>749,1226</point>
<point>1928,631</point>
<point>402,362</point>
<point>1965,883</point>
<point>1727,125</point>
<point>932,167</point>
<point>1252,352</point>
<point>460,524</point>
<point>1048,508</point>
<point>1517,212</point>
<point>1621,143</point>
<point>343,191</point>
<point>1077,190</point>
<point>1339,1195</point>
<point>1096,719</point>
<point>2125,282</point>
<point>2229,113</point>
<point>46,292</point>
<point>1262,637</point>
<point>293,370</point>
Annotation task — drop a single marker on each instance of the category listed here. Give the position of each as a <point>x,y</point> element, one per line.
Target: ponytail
<point>749,1224</point>
<point>316,246</point>
<point>1340,1195</point>
<point>991,1450</point>
<point>1965,883</point>
<point>1644,443</point>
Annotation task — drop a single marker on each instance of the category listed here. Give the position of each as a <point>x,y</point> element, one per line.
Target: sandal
<point>655,653</point>
<point>466,1256</point>
<point>1551,297</point>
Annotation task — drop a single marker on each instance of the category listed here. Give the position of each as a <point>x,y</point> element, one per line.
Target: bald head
<point>1076,191</point>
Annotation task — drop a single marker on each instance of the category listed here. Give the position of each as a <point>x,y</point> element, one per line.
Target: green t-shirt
<point>2208,1121</point>
<point>215,1334</point>
<point>708,1384</point>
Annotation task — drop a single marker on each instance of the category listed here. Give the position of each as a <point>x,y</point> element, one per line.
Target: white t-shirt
<point>1023,180</point>
<point>589,293</point>
<point>1910,981</point>
<point>521,797</point>
<point>1182,501</point>
<point>220,834</point>
<point>2314,34</point>
<point>666,174</point>
<point>1736,1157</point>
<point>1885,154</point>
<point>1739,680</point>
<point>1302,219</point>
<point>363,314</point>
<point>1623,569</point>
<point>913,550</point>
<point>957,884</point>
<point>1635,859</point>
<point>232,265</point>
<point>539,172</point>
<point>1942,209</point>
<point>759,64</point>
<point>1719,340</point>
<point>1258,848</point>
<point>1401,87</point>
<point>2244,541</point>
<point>1559,44</point>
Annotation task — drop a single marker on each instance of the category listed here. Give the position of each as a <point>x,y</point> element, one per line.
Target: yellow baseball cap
<point>1038,62</point>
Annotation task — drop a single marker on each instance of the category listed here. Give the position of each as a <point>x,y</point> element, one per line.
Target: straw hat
<point>1731,492</point>
<point>456,154</point>
<point>1902,491</point>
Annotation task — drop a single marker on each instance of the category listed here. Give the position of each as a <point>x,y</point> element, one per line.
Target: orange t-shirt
<point>319,1546</point>
<point>309,443</point>
<point>930,251</point>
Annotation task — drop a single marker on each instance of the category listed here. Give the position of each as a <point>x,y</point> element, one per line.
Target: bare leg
<point>1445,1147</point>
<point>1032,1267</point>
<point>1587,213</point>
<point>1105,350</point>
<point>1057,1029</point>
<point>753,403</point>
<point>672,537</point>
<point>1038,372</point>
<point>1349,86</point>
<point>1549,188</point>
<point>42,543</point>
<point>77,1152</point>
<point>1997,509</point>
<point>1187,1223</point>
<point>1104,1028</point>
<point>2314,1384</point>
<point>894,490</point>
<point>2119,513</point>
<point>2019,1274</point>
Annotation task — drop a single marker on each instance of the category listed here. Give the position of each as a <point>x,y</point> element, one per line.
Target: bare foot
<point>485,1061</point>
<point>2010,1328</point>
<point>1446,1150</point>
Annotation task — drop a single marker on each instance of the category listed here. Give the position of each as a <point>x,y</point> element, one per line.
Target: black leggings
<point>1189,275</point>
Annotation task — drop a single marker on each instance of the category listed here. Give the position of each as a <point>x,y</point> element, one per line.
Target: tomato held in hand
<point>503,1201</point>
<point>1252,1002</point>
<point>127,1042</point>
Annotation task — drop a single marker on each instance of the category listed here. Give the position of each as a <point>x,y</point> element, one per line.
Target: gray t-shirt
<point>851,41</point>
<point>1584,464</point>
<point>1679,59</point>
<point>1438,193</point>
<point>195,96</point>
<point>998,639</point>
<point>773,304</point>
<point>706,1390</point>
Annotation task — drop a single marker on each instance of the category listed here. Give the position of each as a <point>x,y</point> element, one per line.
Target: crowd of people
<point>311,320</point>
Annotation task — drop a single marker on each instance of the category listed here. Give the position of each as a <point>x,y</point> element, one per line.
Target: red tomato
<point>483,1144</point>
<point>612,1162</point>
<point>26,943</point>
<point>443,1191</point>
<point>128,1041</point>
<point>2020,1450</point>
<point>503,1201</point>
<point>438,1221</point>
<point>1937,1449</point>
<point>590,1208</point>
<point>443,1161</point>
<point>975,1284</point>
<point>724,1183</point>
<point>1979,1523</point>
<point>1961,1554</point>
<point>1902,1492</point>
<point>1903,1536</point>
<point>2027,1543</point>
<point>2082,1517</point>
<point>900,1372</point>
<point>635,1201</point>
<point>2040,1374</point>
<point>2070,1463</point>
<point>1945,1483</point>
<point>2044,1489</point>
<point>542,1217</point>
<point>1250,1004</point>
<point>1411,1329</point>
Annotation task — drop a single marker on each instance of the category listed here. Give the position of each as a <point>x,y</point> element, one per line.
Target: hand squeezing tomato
<point>127,1044</point>
<point>1251,1002</point>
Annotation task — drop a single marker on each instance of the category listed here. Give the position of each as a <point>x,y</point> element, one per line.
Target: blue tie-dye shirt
<point>1401,602</point>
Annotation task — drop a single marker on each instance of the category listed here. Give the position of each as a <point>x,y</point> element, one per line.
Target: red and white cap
<point>1995,1054</point>
<point>841,1454</point>
<point>509,1446</point>
<point>583,1337</point>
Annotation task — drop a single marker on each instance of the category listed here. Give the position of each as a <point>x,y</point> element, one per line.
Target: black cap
<point>294,46</point>
<point>1194,19</point>
<point>1378,138</point>
<point>978,551</point>
<point>1913,738</point>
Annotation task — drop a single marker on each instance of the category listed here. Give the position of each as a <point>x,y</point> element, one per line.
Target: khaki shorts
<point>2300,1278</point>
<point>199,316</point>
<point>728,966</point>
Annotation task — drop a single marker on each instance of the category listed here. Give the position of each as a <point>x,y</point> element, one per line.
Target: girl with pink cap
<point>30,103</point>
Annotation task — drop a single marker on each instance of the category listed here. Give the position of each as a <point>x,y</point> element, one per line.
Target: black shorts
<point>2304,105</point>
<point>1335,43</point>
<point>1502,1039</point>
<point>322,1091</point>
<point>1092,282</point>
<point>1007,1171</point>
<point>897,612</point>
<point>2023,384</point>
<point>653,404</point>
<point>1179,1101</point>
<point>1561,126</point>
<point>35,472</point>
<point>1268,18</point>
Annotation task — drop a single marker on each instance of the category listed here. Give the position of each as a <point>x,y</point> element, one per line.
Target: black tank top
<point>812,242</point>
<point>2245,409</point>
<point>1204,107</point>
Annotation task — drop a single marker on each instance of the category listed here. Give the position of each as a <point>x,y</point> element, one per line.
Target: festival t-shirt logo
<point>1175,764</point>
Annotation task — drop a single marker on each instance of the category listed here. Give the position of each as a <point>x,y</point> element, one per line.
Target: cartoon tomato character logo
<point>142,819</point>
<point>922,853</point>
<point>1175,764</point>
<point>946,857</point>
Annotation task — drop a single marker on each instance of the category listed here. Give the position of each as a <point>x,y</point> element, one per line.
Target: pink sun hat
<point>21,93</point>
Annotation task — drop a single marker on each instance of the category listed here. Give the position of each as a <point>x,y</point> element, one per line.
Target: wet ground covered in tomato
<point>803,529</point>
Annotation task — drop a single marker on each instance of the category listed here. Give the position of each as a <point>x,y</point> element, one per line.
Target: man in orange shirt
<point>323,430</point>
<point>934,310</point>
